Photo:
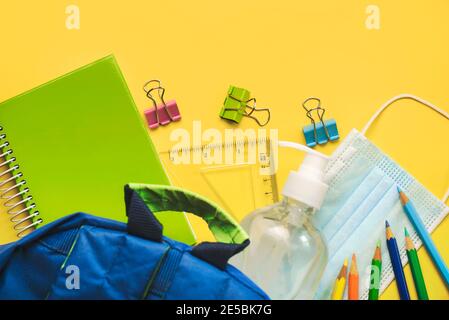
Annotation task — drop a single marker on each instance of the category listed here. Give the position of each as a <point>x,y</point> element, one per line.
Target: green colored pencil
<point>415,267</point>
<point>376,269</point>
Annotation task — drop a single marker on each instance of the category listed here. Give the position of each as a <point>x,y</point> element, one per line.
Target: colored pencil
<point>376,272</point>
<point>353,281</point>
<point>395,258</point>
<point>417,223</point>
<point>340,283</point>
<point>415,266</point>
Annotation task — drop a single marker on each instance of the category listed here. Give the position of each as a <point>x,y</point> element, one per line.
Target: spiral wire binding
<point>16,196</point>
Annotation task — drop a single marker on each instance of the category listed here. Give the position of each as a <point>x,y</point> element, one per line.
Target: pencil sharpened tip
<point>378,243</point>
<point>377,252</point>
<point>399,189</point>
<point>386,224</point>
<point>406,232</point>
<point>345,263</point>
<point>403,198</point>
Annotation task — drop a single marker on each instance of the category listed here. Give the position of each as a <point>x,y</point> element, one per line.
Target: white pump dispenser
<point>287,254</point>
<point>307,184</point>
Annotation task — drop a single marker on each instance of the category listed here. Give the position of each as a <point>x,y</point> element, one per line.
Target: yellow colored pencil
<point>340,283</point>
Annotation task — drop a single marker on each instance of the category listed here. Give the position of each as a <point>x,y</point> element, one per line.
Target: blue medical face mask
<point>363,194</point>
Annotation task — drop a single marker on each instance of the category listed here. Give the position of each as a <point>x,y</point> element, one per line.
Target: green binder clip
<point>238,104</point>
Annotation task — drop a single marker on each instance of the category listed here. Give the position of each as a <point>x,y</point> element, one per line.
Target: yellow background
<point>283,51</point>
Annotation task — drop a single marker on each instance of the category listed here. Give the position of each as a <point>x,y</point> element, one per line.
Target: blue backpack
<point>86,257</point>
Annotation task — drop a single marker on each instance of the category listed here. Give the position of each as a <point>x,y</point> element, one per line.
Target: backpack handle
<point>143,200</point>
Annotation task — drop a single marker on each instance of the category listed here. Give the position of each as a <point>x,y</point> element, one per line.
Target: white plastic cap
<point>307,184</point>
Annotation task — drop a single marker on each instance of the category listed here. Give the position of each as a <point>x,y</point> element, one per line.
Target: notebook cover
<point>78,140</point>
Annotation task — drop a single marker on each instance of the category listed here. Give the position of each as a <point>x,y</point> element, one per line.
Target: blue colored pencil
<point>417,223</point>
<point>395,258</point>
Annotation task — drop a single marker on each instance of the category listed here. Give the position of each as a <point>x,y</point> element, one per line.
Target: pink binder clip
<point>163,113</point>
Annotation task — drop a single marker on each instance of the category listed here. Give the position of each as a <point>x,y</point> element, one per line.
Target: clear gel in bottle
<point>287,254</point>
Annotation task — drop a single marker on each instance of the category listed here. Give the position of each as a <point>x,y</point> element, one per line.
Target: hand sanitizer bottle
<point>287,254</point>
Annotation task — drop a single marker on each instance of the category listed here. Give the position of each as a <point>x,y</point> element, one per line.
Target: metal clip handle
<point>252,108</point>
<point>160,92</point>
<point>320,113</point>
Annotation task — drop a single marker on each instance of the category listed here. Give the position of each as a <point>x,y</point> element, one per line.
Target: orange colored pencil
<point>353,281</point>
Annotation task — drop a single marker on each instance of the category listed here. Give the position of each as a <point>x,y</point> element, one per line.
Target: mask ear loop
<point>446,196</point>
<point>411,97</point>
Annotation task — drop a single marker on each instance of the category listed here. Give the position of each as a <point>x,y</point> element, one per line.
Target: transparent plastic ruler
<point>235,175</point>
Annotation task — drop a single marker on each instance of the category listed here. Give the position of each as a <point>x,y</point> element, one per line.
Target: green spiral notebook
<point>75,142</point>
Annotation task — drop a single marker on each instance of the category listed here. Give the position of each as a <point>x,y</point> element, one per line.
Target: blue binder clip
<point>322,131</point>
